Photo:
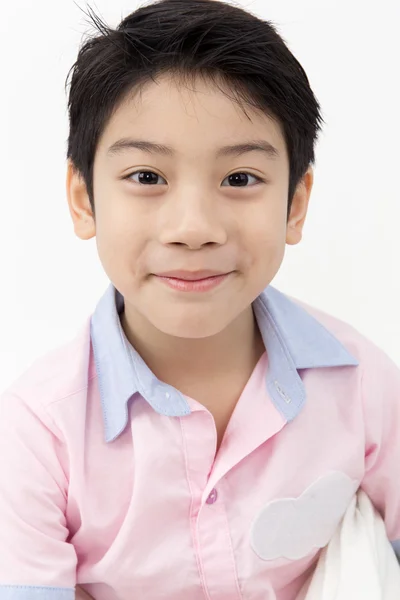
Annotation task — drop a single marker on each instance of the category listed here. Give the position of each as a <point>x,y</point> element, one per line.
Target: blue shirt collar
<point>292,337</point>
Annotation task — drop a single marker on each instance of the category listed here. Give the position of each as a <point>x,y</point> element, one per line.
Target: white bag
<point>359,562</point>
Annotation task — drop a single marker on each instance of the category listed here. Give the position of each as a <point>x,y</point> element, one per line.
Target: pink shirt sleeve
<point>33,492</point>
<point>381,402</point>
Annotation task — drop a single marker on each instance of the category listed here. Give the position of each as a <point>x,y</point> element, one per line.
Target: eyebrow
<point>126,144</point>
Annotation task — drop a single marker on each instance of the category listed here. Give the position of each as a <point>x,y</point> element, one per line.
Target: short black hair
<point>188,38</point>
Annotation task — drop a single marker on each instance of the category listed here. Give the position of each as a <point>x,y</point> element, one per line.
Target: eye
<point>239,179</point>
<point>145,177</point>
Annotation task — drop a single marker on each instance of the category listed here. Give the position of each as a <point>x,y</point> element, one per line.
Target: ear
<point>299,208</point>
<point>79,204</point>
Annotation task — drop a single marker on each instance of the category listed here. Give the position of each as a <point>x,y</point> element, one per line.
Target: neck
<point>236,349</point>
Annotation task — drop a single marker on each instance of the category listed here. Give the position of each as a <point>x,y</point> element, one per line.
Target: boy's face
<point>191,215</point>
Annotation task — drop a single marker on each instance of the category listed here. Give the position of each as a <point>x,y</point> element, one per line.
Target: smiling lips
<point>193,281</point>
<point>191,275</point>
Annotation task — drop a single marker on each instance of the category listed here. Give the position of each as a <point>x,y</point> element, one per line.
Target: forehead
<point>188,117</point>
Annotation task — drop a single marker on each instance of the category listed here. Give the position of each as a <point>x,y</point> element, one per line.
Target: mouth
<point>192,275</point>
<point>194,285</point>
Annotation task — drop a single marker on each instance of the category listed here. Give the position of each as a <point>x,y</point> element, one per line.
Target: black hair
<point>188,38</point>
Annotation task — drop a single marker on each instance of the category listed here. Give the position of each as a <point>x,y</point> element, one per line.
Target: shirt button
<point>212,497</point>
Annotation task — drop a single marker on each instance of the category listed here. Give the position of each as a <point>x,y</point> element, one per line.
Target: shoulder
<point>370,356</point>
<point>59,373</point>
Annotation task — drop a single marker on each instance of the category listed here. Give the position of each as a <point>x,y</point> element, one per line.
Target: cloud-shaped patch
<point>291,528</point>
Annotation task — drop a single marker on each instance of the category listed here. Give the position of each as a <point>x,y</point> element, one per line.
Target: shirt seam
<point>36,587</point>
<point>81,389</point>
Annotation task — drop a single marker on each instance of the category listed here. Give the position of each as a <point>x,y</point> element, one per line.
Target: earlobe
<point>294,232</point>
<point>293,235</point>
<point>79,204</point>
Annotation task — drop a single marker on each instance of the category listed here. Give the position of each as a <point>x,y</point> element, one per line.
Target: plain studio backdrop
<point>348,263</point>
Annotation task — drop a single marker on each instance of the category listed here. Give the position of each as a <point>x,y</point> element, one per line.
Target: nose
<point>193,220</point>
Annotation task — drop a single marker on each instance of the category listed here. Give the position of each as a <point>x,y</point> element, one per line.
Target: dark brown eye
<point>242,179</point>
<point>239,179</point>
<point>145,177</point>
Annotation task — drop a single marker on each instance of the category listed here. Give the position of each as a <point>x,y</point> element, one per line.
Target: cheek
<point>268,254</point>
<point>120,242</point>
<point>266,247</point>
<point>267,235</point>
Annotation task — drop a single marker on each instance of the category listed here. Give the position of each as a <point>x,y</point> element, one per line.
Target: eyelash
<point>259,179</point>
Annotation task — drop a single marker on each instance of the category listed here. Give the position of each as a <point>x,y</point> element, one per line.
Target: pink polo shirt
<point>109,477</point>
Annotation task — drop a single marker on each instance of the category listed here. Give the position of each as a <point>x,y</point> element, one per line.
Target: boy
<point>203,434</point>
